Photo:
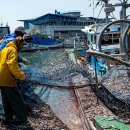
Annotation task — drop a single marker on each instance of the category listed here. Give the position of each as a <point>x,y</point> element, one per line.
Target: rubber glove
<point>25,61</point>
<point>23,78</point>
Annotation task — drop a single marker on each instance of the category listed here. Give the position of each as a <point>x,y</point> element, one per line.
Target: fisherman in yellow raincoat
<point>10,71</point>
<point>19,31</point>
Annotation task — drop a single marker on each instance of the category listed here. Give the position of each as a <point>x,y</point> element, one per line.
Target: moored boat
<point>46,42</point>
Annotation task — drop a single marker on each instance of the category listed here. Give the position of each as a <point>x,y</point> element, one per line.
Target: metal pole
<point>123,26</point>
<point>95,59</point>
<point>125,46</point>
<point>121,46</point>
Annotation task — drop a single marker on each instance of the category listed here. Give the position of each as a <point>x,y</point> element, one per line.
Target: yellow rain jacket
<point>9,69</point>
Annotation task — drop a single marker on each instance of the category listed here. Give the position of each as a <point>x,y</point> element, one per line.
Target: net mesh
<point>117,81</point>
<point>113,89</point>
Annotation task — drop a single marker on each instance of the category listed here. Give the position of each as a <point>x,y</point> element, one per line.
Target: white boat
<point>108,38</point>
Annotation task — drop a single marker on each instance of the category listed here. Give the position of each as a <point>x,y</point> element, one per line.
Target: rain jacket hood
<point>9,68</point>
<point>11,44</point>
<point>19,42</point>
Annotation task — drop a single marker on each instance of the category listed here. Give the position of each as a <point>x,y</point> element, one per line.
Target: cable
<point>99,13</point>
<point>52,85</point>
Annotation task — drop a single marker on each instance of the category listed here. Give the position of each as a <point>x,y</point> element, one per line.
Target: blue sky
<point>13,10</point>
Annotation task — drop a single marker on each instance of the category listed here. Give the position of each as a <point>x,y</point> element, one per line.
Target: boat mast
<point>107,12</point>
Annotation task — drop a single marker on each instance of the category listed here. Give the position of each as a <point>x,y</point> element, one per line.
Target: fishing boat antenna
<point>1,22</point>
<point>7,24</point>
<point>94,6</point>
<point>93,10</point>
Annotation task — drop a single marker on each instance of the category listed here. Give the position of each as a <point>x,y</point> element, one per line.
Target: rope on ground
<point>52,85</point>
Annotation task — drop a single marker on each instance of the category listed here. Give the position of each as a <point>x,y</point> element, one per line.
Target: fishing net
<point>52,78</point>
<point>114,90</point>
<point>117,81</point>
<point>65,77</point>
<point>52,71</point>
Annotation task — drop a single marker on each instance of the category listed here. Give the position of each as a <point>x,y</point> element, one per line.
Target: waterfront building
<point>63,24</point>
